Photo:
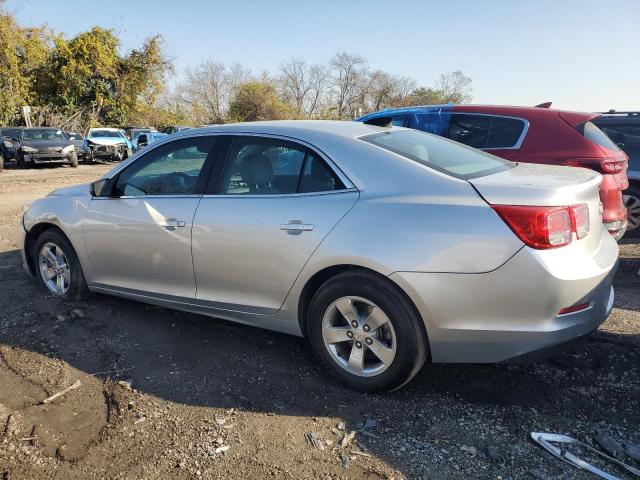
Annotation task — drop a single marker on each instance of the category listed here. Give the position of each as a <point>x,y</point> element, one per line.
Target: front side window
<point>456,160</point>
<point>172,169</point>
<point>268,166</point>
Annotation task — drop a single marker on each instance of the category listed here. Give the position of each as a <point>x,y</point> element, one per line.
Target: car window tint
<point>597,136</point>
<point>262,166</point>
<point>472,130</point>
<point>504,132</point>
<point>445,156</point>
<point>432,122</point>
<point>172,169</point>
<point>398,120</point>
<point>318,177</point>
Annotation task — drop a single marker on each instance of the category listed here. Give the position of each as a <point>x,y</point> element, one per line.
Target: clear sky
<point>582,55</point>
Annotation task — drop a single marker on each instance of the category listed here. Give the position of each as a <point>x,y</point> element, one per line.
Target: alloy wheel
<point>359,336</point>
<point>632,203</point>
<point>54,268</point>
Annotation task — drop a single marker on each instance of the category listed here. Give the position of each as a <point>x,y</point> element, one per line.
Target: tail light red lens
<point>574,308</point>
<point>545,227</point>
<point>580,220</point>
<point>601,165</point>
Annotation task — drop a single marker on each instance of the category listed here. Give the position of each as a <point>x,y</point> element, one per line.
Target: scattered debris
<point>77,313</point>
<point>362,454</point>
<point>140,420</point>
<point>221,421</point>
<point>610,446</point>
<point>632,449</point>
<point>348,438</point>
<point>125,384</point>
<point>313,440</point>
<point>494,455</point>
<point>222,449</point>
<point>345,459</point>
<point>470,451</point>
<point>341,426</point>
<point>545,439</point>
<point>61,393</point>
<point>60,317</point>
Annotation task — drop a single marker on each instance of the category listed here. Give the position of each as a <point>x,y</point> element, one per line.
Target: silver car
<point>384,246</point>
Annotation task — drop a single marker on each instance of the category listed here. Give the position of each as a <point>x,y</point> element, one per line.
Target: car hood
<point>45,143</point>
<point>73,191</point>
<point>106,141</point>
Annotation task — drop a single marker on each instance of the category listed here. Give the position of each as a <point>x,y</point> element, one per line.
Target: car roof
<point>336,128</point>
<point>41,128</point>
<point>507,110</point>
<point>110,129</point>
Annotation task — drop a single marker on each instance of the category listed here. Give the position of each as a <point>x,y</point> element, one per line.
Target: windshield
<point>440,154</point>
<point>10,132</point>
<point>105,134</point>
<point>43,135</point>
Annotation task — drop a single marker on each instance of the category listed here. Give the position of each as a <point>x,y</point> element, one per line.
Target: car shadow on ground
<point>196,360</point>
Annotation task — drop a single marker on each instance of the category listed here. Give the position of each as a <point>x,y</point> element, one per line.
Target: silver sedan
<point>385,247</point>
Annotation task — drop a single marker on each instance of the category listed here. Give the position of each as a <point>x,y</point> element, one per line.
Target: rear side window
<point>597,136</point>
<point>472,130</point>
<point>447,157</point>
<point>269,166</point>
<point>504,132</point>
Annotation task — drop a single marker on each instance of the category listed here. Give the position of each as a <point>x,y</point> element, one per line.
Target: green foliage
<point>22,52</point>
<point>258,100</point>
<point>85,76</point>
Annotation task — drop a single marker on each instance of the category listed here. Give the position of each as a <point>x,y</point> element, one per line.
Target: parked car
<point>44,145</point>
<point>8,144</point>
<point>108,144</point>
<point>145,138</point>
<point>383,246</point>
<point>82,151</point>
<point>624,129</point>
<point>175,129</point>
<point>531,135</point>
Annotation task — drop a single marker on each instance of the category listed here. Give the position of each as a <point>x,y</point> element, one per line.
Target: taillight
<point>546,227</point>
<point>580,214</point>
<point>601,165</point>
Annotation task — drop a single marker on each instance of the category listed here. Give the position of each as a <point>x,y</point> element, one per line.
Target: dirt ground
<point>166,394</point>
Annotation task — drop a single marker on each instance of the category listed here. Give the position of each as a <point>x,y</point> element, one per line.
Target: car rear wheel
<point>632,202</point>
<point>58,267</point>
<point>366,332</point>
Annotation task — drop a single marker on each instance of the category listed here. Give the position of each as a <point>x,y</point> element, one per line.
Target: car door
<point>139,237</point>
<point>266,213</point>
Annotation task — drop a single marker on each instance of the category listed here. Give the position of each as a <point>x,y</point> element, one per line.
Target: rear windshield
<point>597,136</point>
<point>440,154</point>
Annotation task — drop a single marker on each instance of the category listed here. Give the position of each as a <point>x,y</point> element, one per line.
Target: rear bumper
<point>513,311</point>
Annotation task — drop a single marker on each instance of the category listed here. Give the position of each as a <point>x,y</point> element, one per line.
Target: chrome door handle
<point>171,225</point>
<point>296,227</point>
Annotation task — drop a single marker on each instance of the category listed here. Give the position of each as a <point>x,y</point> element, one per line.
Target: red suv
<point>531,135</point>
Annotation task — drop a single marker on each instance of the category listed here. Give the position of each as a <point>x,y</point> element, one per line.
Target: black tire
<point>1,163</point>
<point>77,285</point>
<point>412,347</point>
<point>73,160</point>
<point>632,202</point>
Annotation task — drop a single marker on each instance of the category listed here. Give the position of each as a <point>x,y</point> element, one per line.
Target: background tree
<point>22,53</point>
<point>258,100</point>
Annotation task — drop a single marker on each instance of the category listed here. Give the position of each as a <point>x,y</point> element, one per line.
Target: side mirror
<point>142,141</point>
<point>102,188</point>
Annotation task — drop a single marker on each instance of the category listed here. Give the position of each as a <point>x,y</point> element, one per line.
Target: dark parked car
<point>42,145</point>
<point>82,152</point>
<point>624,129</point>
<point>174,129</point>
<point>530,135</point>
<point>8,144</point>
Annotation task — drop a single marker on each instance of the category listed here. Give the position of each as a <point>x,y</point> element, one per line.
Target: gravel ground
<point>167,394</point>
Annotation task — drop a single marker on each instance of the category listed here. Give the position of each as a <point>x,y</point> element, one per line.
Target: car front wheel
<point>58,267</point>
<point>366,332</point>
